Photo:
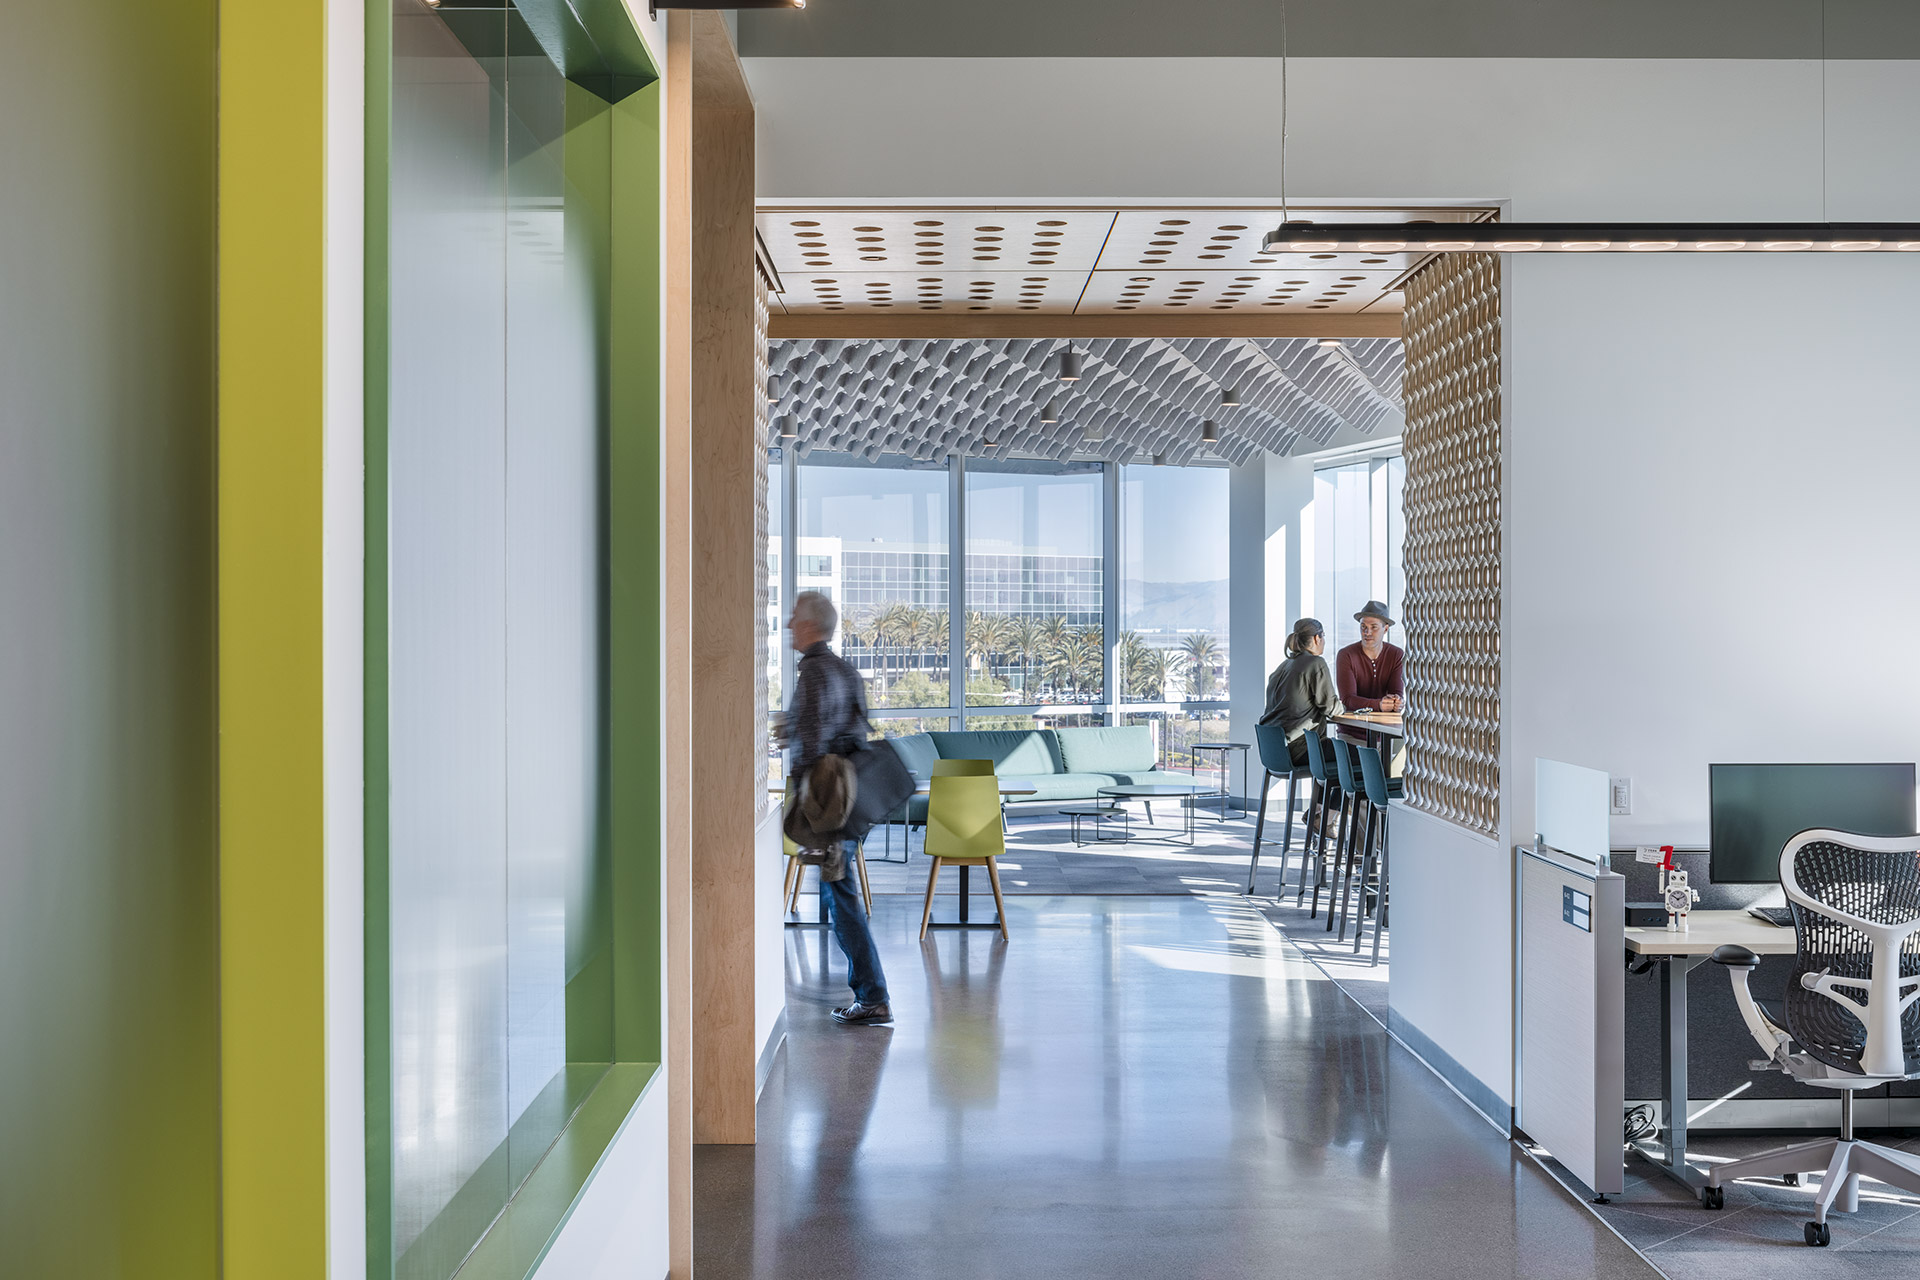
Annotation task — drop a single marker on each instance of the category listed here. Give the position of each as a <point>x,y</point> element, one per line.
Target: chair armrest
<point>1740,963</point>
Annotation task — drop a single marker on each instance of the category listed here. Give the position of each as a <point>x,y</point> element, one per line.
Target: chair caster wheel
<point>1790,1180</point>
<point>1818,1235</point>
<point>1713,1197</point>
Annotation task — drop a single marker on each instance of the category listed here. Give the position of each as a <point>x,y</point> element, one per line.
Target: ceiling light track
<point>1595,237</point>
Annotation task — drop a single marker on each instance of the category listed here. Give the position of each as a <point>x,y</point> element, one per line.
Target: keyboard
<point>1782,916</point>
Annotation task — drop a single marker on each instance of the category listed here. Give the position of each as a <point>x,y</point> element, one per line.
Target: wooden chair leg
<point>866,889</point>
<point>926,912</point>
<point>799,878</point>
<point>786,885</point>
<point>1259,828</point>
<point>999,903</point>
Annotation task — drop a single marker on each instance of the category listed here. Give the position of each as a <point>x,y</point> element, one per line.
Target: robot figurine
<point>1676,893</point>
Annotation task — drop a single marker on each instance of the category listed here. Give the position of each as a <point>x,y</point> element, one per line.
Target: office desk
<point>1679,954</point>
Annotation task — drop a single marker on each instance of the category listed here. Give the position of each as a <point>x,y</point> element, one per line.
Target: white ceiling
<point>1137,397</point>
<point>1076,261</point>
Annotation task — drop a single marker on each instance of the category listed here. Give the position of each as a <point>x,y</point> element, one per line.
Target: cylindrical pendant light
<point>1159,459</point>
<point>1051,413</point>
<point>1595,237</point>
<point>1069,365</point>
<point>788,429</point>
<point>773,389</point>
<point>1209,434</point>
<point>1229,398</point>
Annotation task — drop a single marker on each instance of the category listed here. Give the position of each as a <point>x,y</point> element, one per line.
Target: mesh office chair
<point>1850,1008</point>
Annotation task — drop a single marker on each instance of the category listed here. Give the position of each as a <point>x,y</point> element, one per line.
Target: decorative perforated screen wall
<point>1452,549</point>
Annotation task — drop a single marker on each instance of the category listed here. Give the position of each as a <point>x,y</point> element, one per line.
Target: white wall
<point>769,931</point>
<point>618,1228</point>
<point>1712,505</point>
<point>1560,138</point>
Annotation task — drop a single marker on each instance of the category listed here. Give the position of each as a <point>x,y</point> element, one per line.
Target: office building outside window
<point>1035,631</point>
<point>873,537</point>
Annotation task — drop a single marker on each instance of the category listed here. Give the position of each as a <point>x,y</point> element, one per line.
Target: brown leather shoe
<point>859,1014</point>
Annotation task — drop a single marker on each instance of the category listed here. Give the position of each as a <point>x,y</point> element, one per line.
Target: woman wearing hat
<point>1300,693</point>
<point>1370,671</point>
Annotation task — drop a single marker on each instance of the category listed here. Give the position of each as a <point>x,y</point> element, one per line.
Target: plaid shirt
<point>829,703</point>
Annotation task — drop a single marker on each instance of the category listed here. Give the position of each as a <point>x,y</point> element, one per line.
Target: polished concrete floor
<point>1133,1087</point>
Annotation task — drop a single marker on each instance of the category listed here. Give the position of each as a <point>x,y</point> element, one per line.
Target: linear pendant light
<point>1594,237</point>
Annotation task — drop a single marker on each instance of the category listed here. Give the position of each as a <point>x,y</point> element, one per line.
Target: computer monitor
<point>1756,808</point>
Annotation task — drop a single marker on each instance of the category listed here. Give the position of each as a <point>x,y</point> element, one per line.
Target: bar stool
<point>1347,770</point>
<point>1275,759</point>
<point>1318,755</point>
<point>1381,792</point>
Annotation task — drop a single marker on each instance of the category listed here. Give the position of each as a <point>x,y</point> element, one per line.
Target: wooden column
<point>727,758</point>
<point>676,752</point>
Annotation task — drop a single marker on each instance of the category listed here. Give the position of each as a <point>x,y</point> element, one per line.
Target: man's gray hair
<point>816,607</point>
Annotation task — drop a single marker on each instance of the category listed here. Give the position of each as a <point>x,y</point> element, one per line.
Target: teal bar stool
<point>1381,792</point>
<point>1346,769</point>
<point>1276,759</point>
<point>1319,757</point>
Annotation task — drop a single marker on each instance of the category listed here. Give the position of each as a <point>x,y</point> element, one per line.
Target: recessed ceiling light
<point>1329,342</point>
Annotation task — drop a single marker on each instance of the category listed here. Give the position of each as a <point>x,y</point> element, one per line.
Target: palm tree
<point>1055,637</point>
<point>1141,670</point>
<point>1201,652</point>
<point>894,626</point>
<point>1089,658</point>
<point>933,632</point>
<point>1027,640</point>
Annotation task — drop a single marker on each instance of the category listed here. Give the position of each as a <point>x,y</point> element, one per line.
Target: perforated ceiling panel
<point>1075,261</point>
<point>1136,397</point>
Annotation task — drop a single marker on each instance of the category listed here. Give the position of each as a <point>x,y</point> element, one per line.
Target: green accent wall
<point>108,930</point>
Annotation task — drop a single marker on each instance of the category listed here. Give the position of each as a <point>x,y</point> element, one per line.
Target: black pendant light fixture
<point>1594,237</point>
<point>654,6</point>
<point>1229,398</point>
<point>1209,434</point>
<point>1069,365</point>
<point>1050,414</point>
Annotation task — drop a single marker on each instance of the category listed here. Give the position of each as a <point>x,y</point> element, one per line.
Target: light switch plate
<point>1620,796</point>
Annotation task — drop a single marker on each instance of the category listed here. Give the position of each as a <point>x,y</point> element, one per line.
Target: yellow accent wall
<point>270,351</point>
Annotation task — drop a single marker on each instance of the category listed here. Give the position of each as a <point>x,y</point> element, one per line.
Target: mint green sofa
<point>1063,766</point>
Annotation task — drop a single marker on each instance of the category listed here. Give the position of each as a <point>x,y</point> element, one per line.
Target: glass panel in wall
<point>1396,597</point>
<point>495,624</point>
<point>1359,528</point>
<point>1175,734</point>
<point>873,536</point>
<point>1035,592</point>
<point>1173,584</point>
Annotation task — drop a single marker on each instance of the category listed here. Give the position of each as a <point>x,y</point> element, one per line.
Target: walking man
<point>828,713</point>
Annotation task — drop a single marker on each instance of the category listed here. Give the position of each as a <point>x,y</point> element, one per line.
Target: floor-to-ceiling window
<point>1035,589</point>
<point>873,537</point>
<point>1171,656</point>
<point>1358,532</point>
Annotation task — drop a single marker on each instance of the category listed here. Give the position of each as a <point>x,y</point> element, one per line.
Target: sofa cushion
<point>1125,749</point>
<point>1013,751</point>
<point>917,752</point>
<point>1156,777</point>
<point>1055,787</point>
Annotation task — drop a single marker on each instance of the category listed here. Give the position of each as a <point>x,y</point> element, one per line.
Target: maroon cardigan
<point>1362,682</point>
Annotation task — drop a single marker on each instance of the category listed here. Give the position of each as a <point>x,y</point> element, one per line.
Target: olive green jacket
<point>1300,695</point>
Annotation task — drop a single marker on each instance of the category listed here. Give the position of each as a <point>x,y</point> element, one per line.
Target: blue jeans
<point>842,901</point>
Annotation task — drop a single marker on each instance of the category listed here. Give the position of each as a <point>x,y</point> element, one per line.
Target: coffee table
<point>1149,792</point>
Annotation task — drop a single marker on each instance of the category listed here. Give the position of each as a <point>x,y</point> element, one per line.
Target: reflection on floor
<point>1042,858</point>
<point>1133,1087</point>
